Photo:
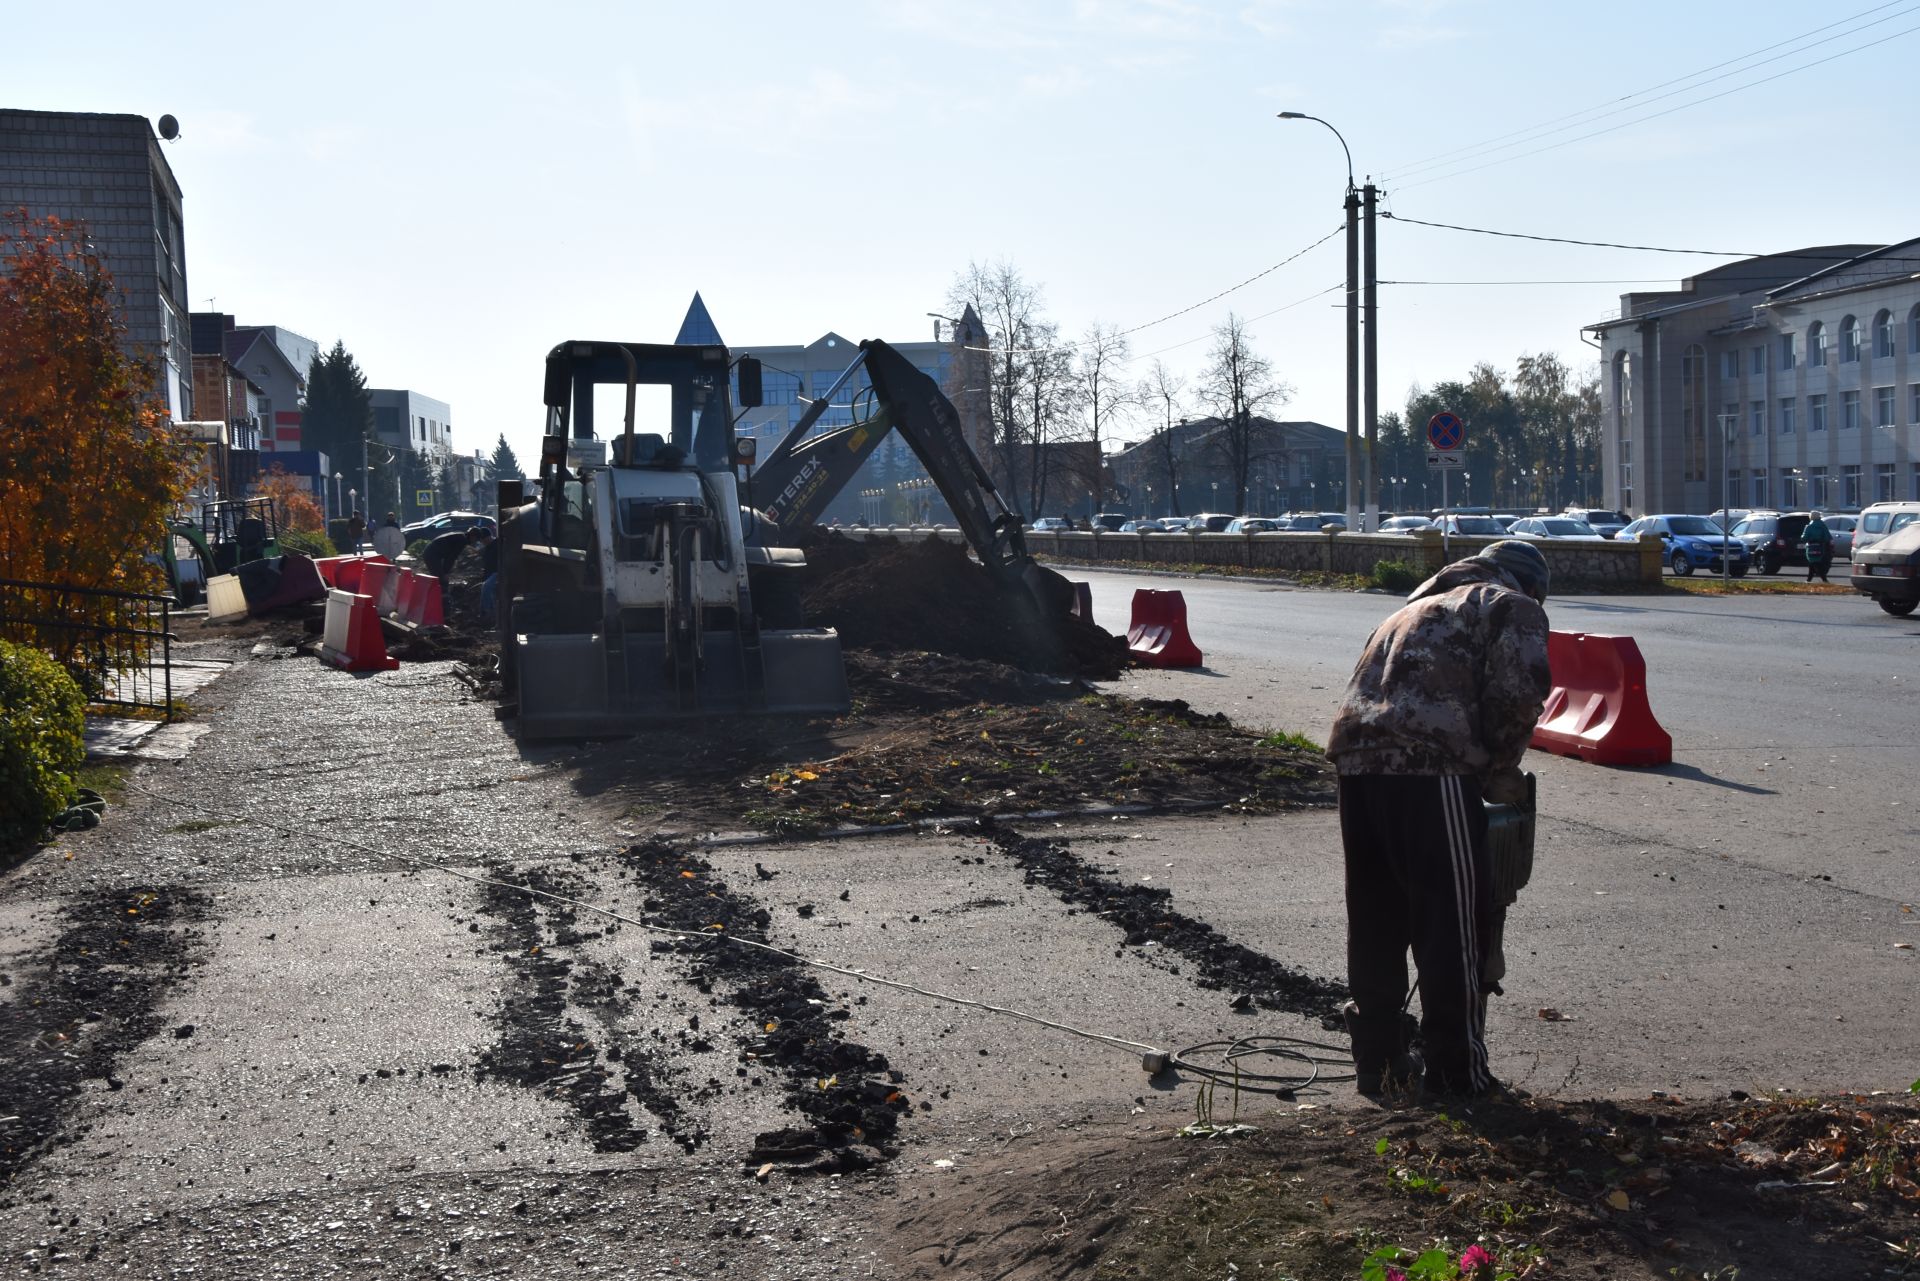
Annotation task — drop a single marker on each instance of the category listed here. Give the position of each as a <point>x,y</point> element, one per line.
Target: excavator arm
<point>800,478</point>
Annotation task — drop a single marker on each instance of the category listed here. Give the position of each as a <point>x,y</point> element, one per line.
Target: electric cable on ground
<point>435,865</point>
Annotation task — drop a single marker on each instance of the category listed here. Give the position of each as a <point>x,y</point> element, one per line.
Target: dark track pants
<point>1418,877</point>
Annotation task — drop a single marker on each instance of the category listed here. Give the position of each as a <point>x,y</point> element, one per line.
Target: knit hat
<point>1522,562</point>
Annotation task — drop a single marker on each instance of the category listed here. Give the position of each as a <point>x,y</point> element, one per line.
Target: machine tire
<point>1898,608</point>
<point>1740,572</point>
<point>1769,564</point>
<point>1682,564</point>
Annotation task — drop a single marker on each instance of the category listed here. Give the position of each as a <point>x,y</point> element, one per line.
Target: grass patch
<point>1287,738</point>
<point>1711,585</point>
<point>109,778</point>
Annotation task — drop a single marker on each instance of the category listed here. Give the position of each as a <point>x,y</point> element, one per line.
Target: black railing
<point>118,645</point>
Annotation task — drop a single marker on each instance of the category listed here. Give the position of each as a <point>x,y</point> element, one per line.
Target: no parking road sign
<point>1446,433</point>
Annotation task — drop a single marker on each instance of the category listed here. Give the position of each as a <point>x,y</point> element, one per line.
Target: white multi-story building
<point>1788,381</point>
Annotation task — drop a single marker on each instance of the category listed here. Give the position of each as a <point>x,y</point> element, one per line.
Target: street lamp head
<point>1292,115</point>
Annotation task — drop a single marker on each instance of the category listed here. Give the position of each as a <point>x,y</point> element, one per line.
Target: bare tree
<point>1009,307</point>
<point>1049,398</point>
<point>1166,391</point>
<point>1237,385</point>
<point>1105,398</point>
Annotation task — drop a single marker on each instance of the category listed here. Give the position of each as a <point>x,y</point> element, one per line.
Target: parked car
<point>1605,521</point>
<point>1882,519</point>
<point>1052,525</point>
<point>1208,523</point>
<point>1693,542</point>
<point>1111,520</point>
<point>1842,527</point>
<point>1773,538</point>
<point>1145,525</point>
<point>1889,570</point>
<point>1551,527</point>
<point>446,523</point>
<point>1404,524</point>
<point>1253,525</point>
<point>1471,526</point>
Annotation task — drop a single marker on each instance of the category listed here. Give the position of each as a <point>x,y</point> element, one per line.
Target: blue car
<point>1693,542</point>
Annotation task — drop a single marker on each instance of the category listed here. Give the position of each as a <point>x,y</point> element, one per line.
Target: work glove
<point>1505,787</point>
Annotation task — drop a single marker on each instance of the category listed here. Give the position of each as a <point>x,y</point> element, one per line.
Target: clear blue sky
<point>451,189</point>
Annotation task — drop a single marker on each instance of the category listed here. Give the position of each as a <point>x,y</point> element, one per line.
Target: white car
<point>1405,524</point>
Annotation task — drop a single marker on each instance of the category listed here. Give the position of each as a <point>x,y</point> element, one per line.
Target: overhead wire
<point>1568,240</point>
<point>1627,102</point>
<point>1714,97</point>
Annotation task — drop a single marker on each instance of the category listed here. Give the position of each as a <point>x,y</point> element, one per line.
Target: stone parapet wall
<point>1575,565</point>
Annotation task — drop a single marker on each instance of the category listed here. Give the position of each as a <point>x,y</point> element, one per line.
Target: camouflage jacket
<point>1450,684</point>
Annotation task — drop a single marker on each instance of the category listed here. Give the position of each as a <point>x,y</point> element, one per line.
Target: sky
<point>450,189</point>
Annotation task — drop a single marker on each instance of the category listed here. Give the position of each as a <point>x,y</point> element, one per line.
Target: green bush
<point>338,533</point>
<point>1395,576</point>
<point>307,543</point>
<point>42,721</point>
<point>418,547</point>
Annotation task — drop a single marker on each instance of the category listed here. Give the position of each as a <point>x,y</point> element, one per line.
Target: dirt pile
<point>886,595</point>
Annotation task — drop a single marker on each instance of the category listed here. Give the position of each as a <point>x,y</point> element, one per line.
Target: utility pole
<point>1370,300</point>
<point>1353,358</point>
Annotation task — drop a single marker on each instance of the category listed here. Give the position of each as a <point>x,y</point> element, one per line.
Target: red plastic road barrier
<point>422,608</point>
<point>403,596</point>
<point>347,577</point>
<point>1598,709</point>
<point>1158,636</point>
<point>352,640</point>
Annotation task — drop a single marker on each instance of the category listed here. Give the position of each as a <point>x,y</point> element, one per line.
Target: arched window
<point>1913,329</point>
<point>1693,413</point>
<point>1816,344</point>
<point>1849,340</point>
<point>1883,334</point>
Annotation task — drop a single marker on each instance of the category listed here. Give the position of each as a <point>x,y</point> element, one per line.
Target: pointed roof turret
<point>698,329</point>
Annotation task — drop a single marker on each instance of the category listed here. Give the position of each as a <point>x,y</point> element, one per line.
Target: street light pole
<point>1726,516</point>
<point>1353,327</point>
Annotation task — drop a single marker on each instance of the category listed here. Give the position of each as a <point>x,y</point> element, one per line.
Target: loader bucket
<point>571,686</point>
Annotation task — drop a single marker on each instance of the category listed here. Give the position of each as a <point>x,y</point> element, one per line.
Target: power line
<point>1614,106</point>
<point>1567,240</point>
<point>1070,346</point>
<point>1652,280</point>
<point>1752,84</point>
<point>1298,302</point>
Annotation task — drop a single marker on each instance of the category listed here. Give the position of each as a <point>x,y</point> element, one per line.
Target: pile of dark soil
<point>1790,1188</point>
<point>851,1100</point>
<point>984,759</point>
<point>71,1015</point>
<point>886,595</point>
<point>1145,914</point>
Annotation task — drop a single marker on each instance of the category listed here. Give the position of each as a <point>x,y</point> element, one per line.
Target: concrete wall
<point>1575,565</point>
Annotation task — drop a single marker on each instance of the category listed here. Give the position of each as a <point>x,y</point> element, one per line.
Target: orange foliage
<point>293,502</point>
<point>90,464</point>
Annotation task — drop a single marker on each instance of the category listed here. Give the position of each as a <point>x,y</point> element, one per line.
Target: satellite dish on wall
<point>169,128</point>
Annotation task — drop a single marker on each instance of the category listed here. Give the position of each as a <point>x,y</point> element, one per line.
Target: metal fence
<point>118,645</point>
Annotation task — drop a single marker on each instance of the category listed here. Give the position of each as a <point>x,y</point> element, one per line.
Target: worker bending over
<point>1436,718</point>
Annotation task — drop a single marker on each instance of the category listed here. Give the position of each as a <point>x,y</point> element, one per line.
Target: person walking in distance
<point>1818,540</point>
<point>1436,718</point>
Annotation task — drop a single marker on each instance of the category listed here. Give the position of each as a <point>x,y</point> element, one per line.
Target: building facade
<point>1188,468</point>
<point>1790,381</point>
<point>274,360</point>
<point>108,173</point>
<point>408,420</point>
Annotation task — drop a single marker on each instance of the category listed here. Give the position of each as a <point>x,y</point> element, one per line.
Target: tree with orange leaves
<point>90,463</point>
<point>293,502</point>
